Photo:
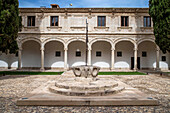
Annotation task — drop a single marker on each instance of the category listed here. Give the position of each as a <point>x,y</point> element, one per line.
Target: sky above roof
<point>84,3</point>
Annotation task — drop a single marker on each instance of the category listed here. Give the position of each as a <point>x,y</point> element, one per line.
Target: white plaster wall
<point>150,60</point>
<point>8,60</point>
<point>51,60</point>
<point>72,59</point>
<point>164,65</point>
<point>31,56</point>
<point>105,60</point>
<point>127,49</point>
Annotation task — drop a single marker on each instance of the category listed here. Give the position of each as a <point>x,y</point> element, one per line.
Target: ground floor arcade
<point>54,54</point>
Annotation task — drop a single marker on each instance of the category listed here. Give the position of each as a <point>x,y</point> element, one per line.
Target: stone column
<point>135,58</point>
<point>112,58</point>
<point>89,56</point>
<point>42,57</point>
<point>65,59</point>
<point>19,58</point>
<point>157,58</point>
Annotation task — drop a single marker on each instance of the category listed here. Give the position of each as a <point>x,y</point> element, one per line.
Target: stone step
<point>89,87</point>
<point>70,92</point>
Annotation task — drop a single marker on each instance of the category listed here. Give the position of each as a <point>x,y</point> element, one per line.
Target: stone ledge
<point>31,27</point>
<point>54,27</point>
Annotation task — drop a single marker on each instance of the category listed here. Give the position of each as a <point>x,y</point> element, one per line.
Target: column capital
<point>42,49</point>
<point>135,49</point>
<point>157,48</point>
<point>20,49</point>
<point>112,49</point>
<point>65,49</point>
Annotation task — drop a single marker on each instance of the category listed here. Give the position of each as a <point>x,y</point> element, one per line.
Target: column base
<point>65,69</point>
<point>135,69</point>
<point>19,68</point>
<point>42,69</point>
<point>157,69</point>
<point>112,69</point>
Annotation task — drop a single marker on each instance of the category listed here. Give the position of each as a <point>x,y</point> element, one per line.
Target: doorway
<point>132,63</point>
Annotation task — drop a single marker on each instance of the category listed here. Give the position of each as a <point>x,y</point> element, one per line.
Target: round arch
<point>76,46</point>
<point>147,52</point>
<point>146,39</point>
<point>30,39</point>
<point>124,39</point>
<point>53,39</point>
<point>75,39</point>
<point>101,39</point>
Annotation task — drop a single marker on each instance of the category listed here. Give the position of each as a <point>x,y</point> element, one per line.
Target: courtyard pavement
<point>16,86</point>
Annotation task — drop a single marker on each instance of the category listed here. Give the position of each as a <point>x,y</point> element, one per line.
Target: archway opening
<point>147,53</point>
<point>76,53</point>
<point>101,54</point>
<point>31,57</point>
<point>124,53</point>
<point>54,55</point>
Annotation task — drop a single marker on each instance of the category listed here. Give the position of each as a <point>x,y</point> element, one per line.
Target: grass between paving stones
<point>28,73</point>
<point>121,73</point>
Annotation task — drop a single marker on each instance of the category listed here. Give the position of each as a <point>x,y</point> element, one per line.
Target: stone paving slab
<point>128,97</point>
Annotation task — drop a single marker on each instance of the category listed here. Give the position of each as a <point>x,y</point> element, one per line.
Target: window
<point>98,53</point>
<point>78,53</point>
<point>144,54</point>
<point>163,58</point>
<point>124,21</point>
<point>119,54</point>
<point>147,21</point>
<point>57,53</point>
<point>101,21</point>
<point>31,20</point>
<point>54,20</point>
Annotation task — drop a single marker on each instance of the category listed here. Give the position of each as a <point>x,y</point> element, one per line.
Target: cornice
<point>85,33</point>
<point>84,10</point>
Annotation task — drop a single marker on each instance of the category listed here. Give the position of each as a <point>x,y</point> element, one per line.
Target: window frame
<point>31,24</point>
<point>101,21</point>
<point>56,55</point>
<point>98,55</point>
<point>144,55</point>
<point>124,20</point>
<point>118,54</point>
<point>78,55</point>
<point>147,25</point>
<point>54,21</point>
<point>163,58</point>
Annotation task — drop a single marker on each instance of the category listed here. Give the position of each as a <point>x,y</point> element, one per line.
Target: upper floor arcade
<point>73,20</point>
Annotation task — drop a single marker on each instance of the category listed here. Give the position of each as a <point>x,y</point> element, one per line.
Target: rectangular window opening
<point>58,53</point>
<point>54,20</point>
<point>163,58</point>
<point>101,21</point>
<point>119,54</point>
<point>124,21</point>
<point>144,54</point>
<point>98,53</point>
<point>78,53</point>
<point>31,21</point>
<point>147,21</point>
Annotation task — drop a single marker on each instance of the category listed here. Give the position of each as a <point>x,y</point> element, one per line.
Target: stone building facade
<point>54,38</point>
